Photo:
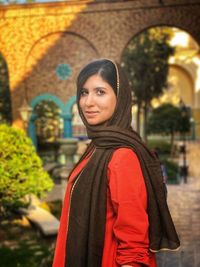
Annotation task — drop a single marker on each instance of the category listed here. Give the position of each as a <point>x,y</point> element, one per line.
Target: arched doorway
<point>5,100</point>
<point>46,108</point>
<point>180,86</point>
<point>182,76</point>
<point>49,127</point>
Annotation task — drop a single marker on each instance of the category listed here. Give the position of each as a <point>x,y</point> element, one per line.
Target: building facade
<point>46,44</point>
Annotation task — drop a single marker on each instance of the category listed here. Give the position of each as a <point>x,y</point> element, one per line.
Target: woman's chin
<point>92,122</point>
<point>97,123</point>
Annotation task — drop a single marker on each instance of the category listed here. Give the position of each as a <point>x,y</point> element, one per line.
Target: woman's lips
<point>91,113</point>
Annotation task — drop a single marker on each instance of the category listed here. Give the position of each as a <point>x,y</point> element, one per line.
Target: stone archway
<point>49,54</point>
<point>106,26</point>
<point>66,114</point>
<point>185,68</point>
<point>181,85</point>
<point>52,69</point>
<point>167,16</point>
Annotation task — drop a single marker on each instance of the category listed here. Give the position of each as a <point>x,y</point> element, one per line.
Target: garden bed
<point>22,245</point>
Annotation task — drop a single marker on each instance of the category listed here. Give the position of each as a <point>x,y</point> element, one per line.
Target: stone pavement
<point>184,204</point>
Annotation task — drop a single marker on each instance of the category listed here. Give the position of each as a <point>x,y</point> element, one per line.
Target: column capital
<point>66,116</point>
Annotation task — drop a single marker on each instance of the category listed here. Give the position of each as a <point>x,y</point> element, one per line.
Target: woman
<point>115,212</point>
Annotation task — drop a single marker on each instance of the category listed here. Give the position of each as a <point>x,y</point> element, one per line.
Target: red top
<point>126,237</point>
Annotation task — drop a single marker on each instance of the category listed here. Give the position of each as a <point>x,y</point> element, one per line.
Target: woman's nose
<point>89,100</point>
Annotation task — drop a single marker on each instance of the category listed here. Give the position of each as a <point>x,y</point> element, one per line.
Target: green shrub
<point>21,171</point>
<point>22,246</point>
<point>172,171</point>
<point>162,146</point>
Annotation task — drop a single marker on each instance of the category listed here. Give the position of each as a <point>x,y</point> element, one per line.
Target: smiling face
<point>97,100</point>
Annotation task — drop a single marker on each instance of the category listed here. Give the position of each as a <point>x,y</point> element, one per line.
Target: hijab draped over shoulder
<point>87,217</point>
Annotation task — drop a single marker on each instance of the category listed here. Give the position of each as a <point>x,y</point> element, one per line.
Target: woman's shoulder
<point>123,155</point>
<point>125,166</point>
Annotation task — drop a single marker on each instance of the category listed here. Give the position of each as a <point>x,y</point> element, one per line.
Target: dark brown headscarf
<point>87,218</point>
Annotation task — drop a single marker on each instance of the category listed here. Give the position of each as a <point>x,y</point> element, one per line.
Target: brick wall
<point>36,38</point>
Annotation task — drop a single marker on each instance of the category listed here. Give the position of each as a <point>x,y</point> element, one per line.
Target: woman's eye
<point>100,92</point>
<point>83,92</point>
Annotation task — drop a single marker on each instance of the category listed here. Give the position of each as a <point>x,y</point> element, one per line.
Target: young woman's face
<point>97,100</point>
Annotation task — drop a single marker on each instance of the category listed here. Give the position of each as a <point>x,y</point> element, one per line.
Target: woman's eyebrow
<point>95,88</point>
<point>100,87</point>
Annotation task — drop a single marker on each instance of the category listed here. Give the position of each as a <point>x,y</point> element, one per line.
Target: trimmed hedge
<point>162,146</point>
<point>172,171</point>
<point>21,171</point>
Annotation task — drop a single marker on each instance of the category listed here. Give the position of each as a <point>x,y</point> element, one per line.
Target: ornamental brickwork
<point>35,39</point>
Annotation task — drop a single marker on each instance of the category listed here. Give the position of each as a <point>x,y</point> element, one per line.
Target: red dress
<point>126,237</point>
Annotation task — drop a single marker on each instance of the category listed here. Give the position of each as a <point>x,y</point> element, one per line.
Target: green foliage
<point>47,123</point>
<point>164,119</point>
<point>146,63</point>
<point>172,171</point>
<point>145,60</point>
<point>22,246</point>
<point>161,146</point>
<point>163,149</point>
<point>25,256</point>
<point>168,119</point>
<point>21,170</point>
<point>5,102</point>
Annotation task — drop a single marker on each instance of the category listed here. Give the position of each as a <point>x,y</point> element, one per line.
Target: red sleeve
<point>129,199</point>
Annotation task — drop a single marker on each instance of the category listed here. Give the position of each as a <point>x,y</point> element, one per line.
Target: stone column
<point>67,150</point>
<point>67,125</point>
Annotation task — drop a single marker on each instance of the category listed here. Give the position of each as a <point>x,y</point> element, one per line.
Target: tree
<point>5,102</point>
<point>21,170</point>
<point>168,119</point>
<point>146,62</point>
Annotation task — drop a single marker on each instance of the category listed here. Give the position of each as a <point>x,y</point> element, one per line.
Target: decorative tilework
<point>63,71</point>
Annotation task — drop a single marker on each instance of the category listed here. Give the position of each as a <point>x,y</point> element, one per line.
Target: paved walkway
<point>184,204</point>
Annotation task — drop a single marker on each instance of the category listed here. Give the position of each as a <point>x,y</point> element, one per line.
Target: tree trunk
<point>138,118</point>
<point>172,143</point>
<point>145,121</point>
